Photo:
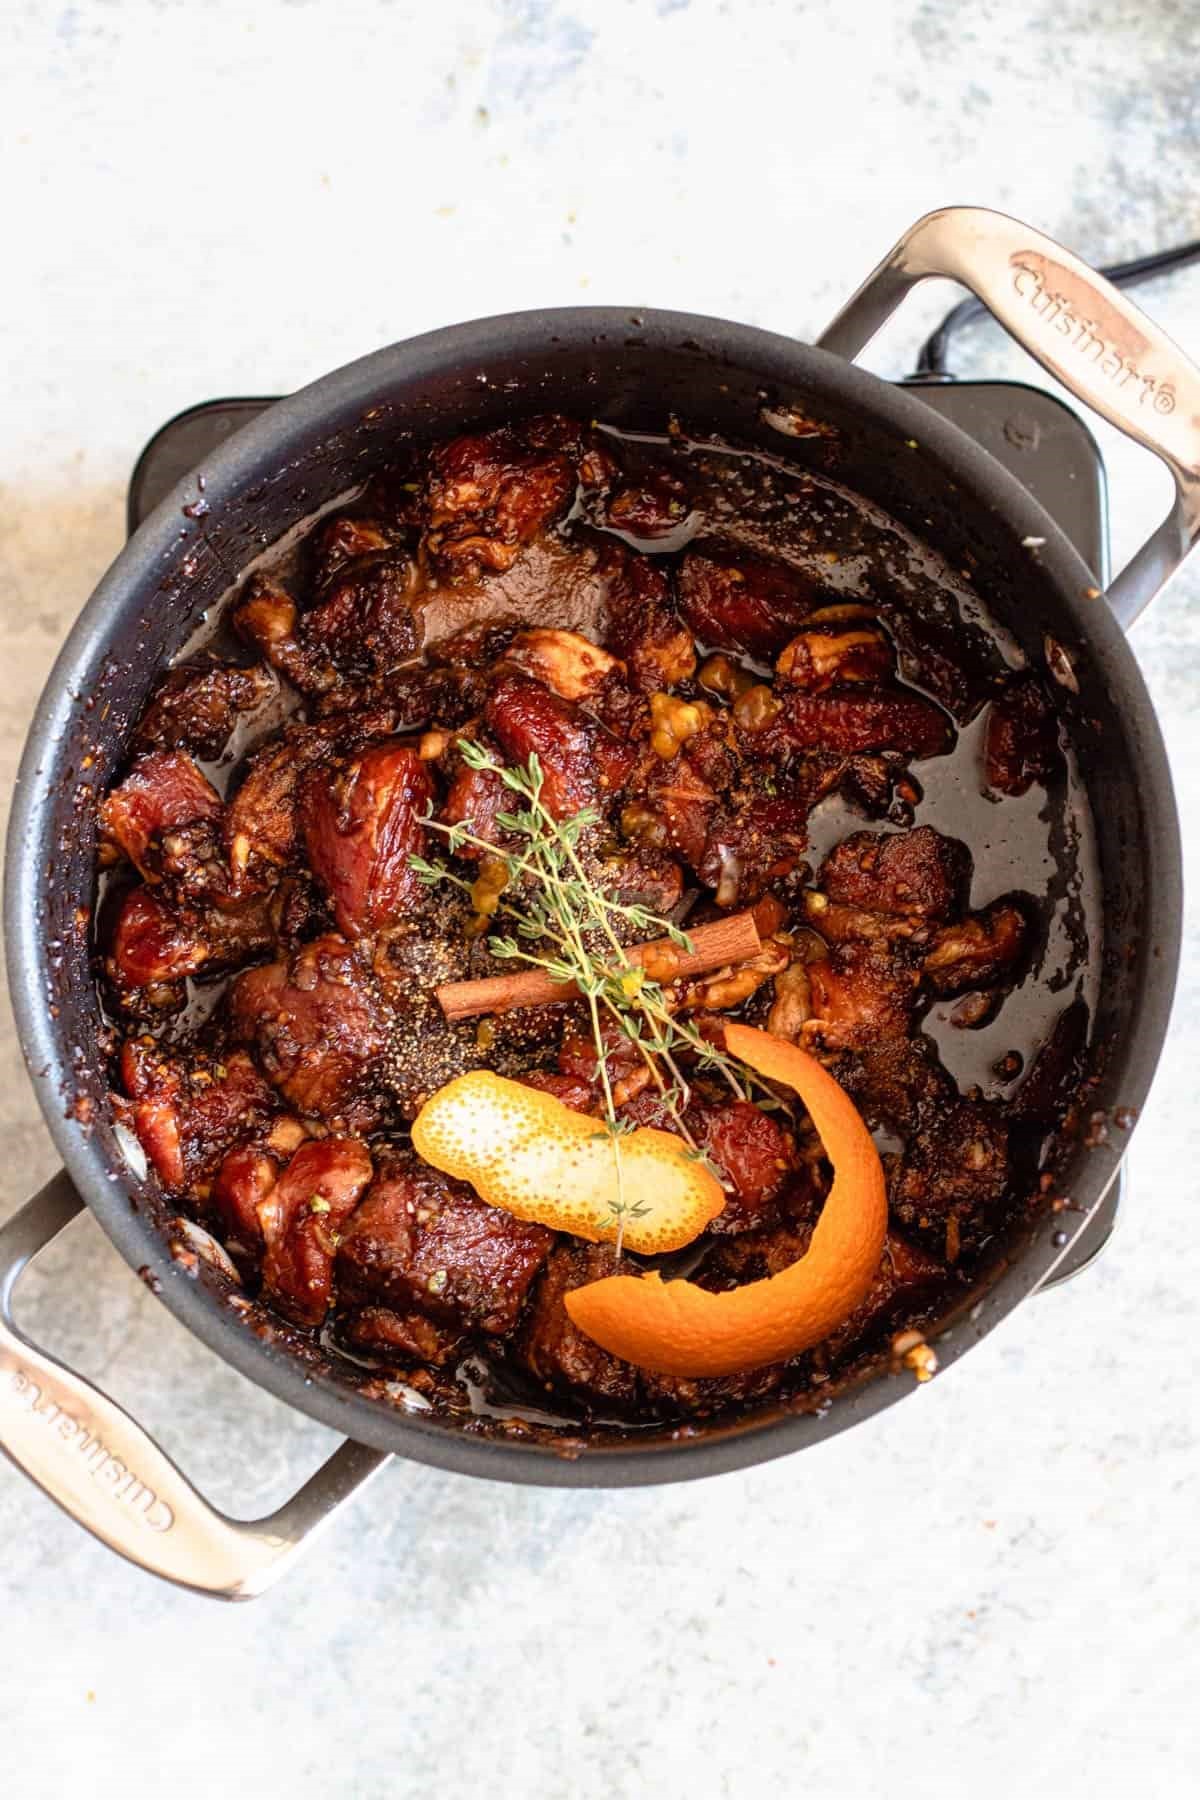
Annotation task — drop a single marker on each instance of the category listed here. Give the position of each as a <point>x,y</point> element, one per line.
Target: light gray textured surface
<point>994,1586</point>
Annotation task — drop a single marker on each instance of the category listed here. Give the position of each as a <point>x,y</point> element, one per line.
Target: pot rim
<point>262,447</point>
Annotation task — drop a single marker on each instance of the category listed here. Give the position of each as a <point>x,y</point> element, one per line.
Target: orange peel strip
<point>681,1329</point>
<point>524,1151</point>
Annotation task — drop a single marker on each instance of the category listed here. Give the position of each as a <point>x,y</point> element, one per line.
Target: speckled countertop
<point>991,1588</point>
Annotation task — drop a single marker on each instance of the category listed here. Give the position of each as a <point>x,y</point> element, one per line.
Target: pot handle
<point>111,1477</point>
<point>1079,327</point>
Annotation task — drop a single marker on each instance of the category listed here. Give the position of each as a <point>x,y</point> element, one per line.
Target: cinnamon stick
<point>731,940</point>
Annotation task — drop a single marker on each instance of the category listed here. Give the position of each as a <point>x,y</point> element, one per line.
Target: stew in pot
<point>529,702</point>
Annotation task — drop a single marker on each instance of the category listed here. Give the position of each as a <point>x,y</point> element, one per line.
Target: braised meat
<point>422,1242</point>
<point>714,703</point>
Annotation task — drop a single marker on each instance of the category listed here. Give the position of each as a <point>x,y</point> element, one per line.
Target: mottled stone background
<point>993,1587</point>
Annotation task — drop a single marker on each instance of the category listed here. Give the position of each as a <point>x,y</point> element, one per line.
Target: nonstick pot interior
<point>637,372</point>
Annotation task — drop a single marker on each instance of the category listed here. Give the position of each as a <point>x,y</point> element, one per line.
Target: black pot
<point>633,371</point>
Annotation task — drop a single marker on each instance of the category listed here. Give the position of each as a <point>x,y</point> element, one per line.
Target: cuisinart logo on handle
<point>101,1464</point>
<point>1061,300</point>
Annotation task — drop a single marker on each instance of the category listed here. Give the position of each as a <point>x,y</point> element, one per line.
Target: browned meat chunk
<point>747,605</point>
<point>302,1217</point>
<point>344,538</point>
<point>196,707</point>
<point>683,805</point>
<point>897,1085</point>
<point>851,925</point>
<point>753,1154</point>
<point>318,1025</point>
<point>752,843</point>
<point>864,994</point>
<point>628,1072</point>
<point>162,793</point>
<point>528,720</point>
<point>423,1242</point>
<point>654,507</point>
<point>986,949</point>
<point>570,665</point>
<point>400,1337</point>
<point>474,798</point>
<point>489,495</point>
<point>262,825</point>
<point>362,824</point>
<point>849,721</point>
<point>244,1180</point>
<point>957,1163</point>
<point>153,946</point>
<point>903,872</point>
<point>1021,746</point>
<point>267,617</point>
<point>558,1355</point>
<point>645,629</point>
<point>364,622</point>
<point>830,656</point>
<point>579,1095</point>
<point>188,1114</point>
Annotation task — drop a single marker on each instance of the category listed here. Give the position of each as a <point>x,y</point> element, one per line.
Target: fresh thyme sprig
<point>561,921</point>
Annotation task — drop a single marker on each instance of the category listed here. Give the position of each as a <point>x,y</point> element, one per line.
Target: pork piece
<point>196,706</point>
<point>490,494</point>
<point>580,1095</point>
<point>162,793</point>
<point>267,617</point>
<point>753,1153</point>
<point>745,604</point>
<point>916,871</point>
<point>628,1071</point>
<point>559,1356</point>
<point>302,1217</point>
<point>402,1337</point>
<point>682,803</point>
<point>474,798</point>
<point>362,823</point>
<point>569,664</point>
<point>1021,745</point>
<point>847,720</point>
<point>343,538</point>
<point>478,646</point>
<point>153,947</point>
<point>985,950</point>
<point>188,1114</point>
<point>835,655</point>
<point>898,1086</point>
<point>243,1181</point>
<point>423,1242</point>
<point>318,1024</point>
<point>753,843</point>
<point>851,925</point>
<point>955,1164</point>
<point>580,759</point>
<point>654,506</point>
<point>262,823</point>
<point>365,621</point>
<point>639,877</point>
<point>644,626</point>
<point>863,994</point>
<point>909,1279</point>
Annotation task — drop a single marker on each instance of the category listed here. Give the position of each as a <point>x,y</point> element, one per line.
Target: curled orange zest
<point>524,1151</point>
<point>681,1329</point>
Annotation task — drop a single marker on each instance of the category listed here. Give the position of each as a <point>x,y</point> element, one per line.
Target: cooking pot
<point>633,370</point>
